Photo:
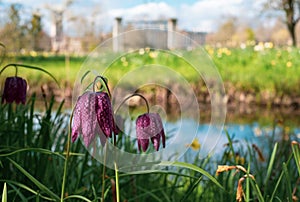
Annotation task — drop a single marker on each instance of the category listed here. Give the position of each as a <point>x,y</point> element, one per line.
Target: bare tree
<point>291,8</point>
<point>57,13</point>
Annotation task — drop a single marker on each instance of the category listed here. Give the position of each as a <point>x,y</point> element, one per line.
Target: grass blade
<point>248,184</point>
<point>230,145</point>
<point>271,163</point>
<point>276,186</point>
<point>192,167</point>
<point>257,190</point>
<point>296,153</point>
<point>4,193</point>
<point>35,181</point>
<point>40,150</point>
<point>151,193</point>
<point>288,181</point>
<point>189,191</point>
<point>78,197</point>
<point>23,186</point>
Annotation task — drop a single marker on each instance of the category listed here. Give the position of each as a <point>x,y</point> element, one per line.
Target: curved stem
<point>105,82</point>
<point>130,96</point>
<point>103,173</point>
<point>29,67</point>
<point>67,159</point>
<point>15,65</point>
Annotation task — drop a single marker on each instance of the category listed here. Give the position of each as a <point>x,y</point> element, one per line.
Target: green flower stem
<point>29,67</point>
<point>117,182</point>
<point>103,174</point>
<point>130,96</point>
<point>66,160</point>
<point>105,83</point>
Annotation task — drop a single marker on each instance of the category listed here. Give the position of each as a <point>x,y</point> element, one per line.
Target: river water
<point>258,128</point>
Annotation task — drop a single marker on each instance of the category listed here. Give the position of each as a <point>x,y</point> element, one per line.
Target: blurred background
<point>77,26</point>
<point>252,44</point>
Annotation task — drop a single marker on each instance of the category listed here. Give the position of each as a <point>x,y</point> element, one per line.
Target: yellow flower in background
<point>273,62</point>
<point>153,54</point>
<point>33,53</point>
<point>269,45</point>
<point>142,51</point>
<point>239,159</point>
<point>123,59</point>
<point>195,144</point>
<point>210,51</point>
<point>289,64</point>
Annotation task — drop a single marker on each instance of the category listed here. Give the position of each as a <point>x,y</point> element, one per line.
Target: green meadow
<point>266,69</point>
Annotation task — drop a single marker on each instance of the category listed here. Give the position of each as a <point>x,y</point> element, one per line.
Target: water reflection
<point>244,135</point>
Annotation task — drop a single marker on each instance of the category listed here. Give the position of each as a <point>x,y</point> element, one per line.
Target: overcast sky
<point>194,15</point>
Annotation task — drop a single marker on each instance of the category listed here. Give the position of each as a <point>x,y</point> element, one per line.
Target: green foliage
<point>253,69</point>
<point>34,141</point>
<point>267,69</point>
<point>32,156</point>
<point>4,193</point>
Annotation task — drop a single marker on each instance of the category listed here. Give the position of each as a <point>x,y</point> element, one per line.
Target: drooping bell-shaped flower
<point>14,90</point>
<point>93,115</point>
<point>84,118</point>
<point>149,125</point>
<point>105,115</point>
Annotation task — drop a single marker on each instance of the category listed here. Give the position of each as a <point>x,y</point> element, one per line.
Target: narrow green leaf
<point>4,193</point>
<point>271,163</point>
<point>296,153</point>
<point>18,192</point>
<point>276,186</point>
<point>191,189</point>
<point>257,190</point>
<point>35,181</point>
<point>192,167</point>
<point>78,197</point>
<point>288,181</point>
<point>10,182</point>
<point>248,183</point>
<point>143,172</point>
<point>40,150</point>
<point>146,192</point>
<point>230,145</point>
<point>150,193</point>
<point>166,196</point>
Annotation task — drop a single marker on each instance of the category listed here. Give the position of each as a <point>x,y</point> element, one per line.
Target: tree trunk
<point>288,7</point>
<point>292,31</point>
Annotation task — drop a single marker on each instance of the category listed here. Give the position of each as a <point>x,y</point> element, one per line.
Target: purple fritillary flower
<point>14,90</point>
<point>105,115</point>
<point>84,119</point>
<point>149,126</point>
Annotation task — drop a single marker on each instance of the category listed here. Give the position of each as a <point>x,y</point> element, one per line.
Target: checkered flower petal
<point>104,114</point>
<point>149,126</point>
<point>84,118</point>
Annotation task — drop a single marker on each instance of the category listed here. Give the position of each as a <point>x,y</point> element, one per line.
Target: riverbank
<point>253,77</point>
<point>234,97</point>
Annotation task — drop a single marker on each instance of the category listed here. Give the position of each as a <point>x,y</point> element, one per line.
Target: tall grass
<point>32,156</point>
